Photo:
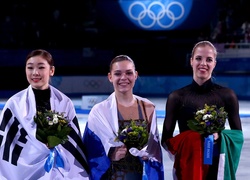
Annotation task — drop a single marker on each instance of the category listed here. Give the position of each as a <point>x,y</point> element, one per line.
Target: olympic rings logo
<point>155,14</point>
<point>92,83</point>
<point>93,101</point>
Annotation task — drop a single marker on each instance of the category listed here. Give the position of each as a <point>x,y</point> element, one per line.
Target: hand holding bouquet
<point>208,120</point>
<point>134,135</point>
<point>52,128</point>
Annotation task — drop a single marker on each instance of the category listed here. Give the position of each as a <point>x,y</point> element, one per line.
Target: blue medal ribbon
<point>54,158</point>
<point>144,175</point>
<point>208,150</point>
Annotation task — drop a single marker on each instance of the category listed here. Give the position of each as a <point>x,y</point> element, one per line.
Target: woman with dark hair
<point>28,148</point>
<point>115,153</point>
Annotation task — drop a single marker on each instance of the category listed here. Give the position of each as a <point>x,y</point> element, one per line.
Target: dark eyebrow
<point>38,63</point>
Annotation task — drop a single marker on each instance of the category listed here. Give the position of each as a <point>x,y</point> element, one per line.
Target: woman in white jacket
<point>107,158</point>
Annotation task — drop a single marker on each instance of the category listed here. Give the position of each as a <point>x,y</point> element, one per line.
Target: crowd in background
<point>57,23</point>
<point>27,24</point>
<point>73,32</point>
<point>229,25</point>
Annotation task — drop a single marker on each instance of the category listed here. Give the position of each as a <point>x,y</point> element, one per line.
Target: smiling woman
<point>114,159</point>
<point>21,152</point>
<point>182,105</point>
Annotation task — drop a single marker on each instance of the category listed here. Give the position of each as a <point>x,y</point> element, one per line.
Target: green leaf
<point>53,141</point>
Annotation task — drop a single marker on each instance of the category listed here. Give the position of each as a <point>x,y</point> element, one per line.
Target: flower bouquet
<point>134,134</point>
<point>208,120</point>
<point>52,128</point>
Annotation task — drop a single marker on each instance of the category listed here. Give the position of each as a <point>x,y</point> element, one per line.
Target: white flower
<point>207,116</point>
<point>124,131</point>
<point>202,111</point>
<point>55,120</point>
<point>50,123</point>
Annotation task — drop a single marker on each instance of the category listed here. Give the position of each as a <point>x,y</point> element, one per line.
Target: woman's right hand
<point>216,136</point>
<point>119,153</point>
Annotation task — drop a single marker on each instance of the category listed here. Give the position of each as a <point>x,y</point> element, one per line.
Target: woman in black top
<point>183,103</point>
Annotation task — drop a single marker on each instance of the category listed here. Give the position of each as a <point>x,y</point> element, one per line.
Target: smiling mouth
<point>36,79</point>
<point>202,69</point>
<point>123,84</point>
